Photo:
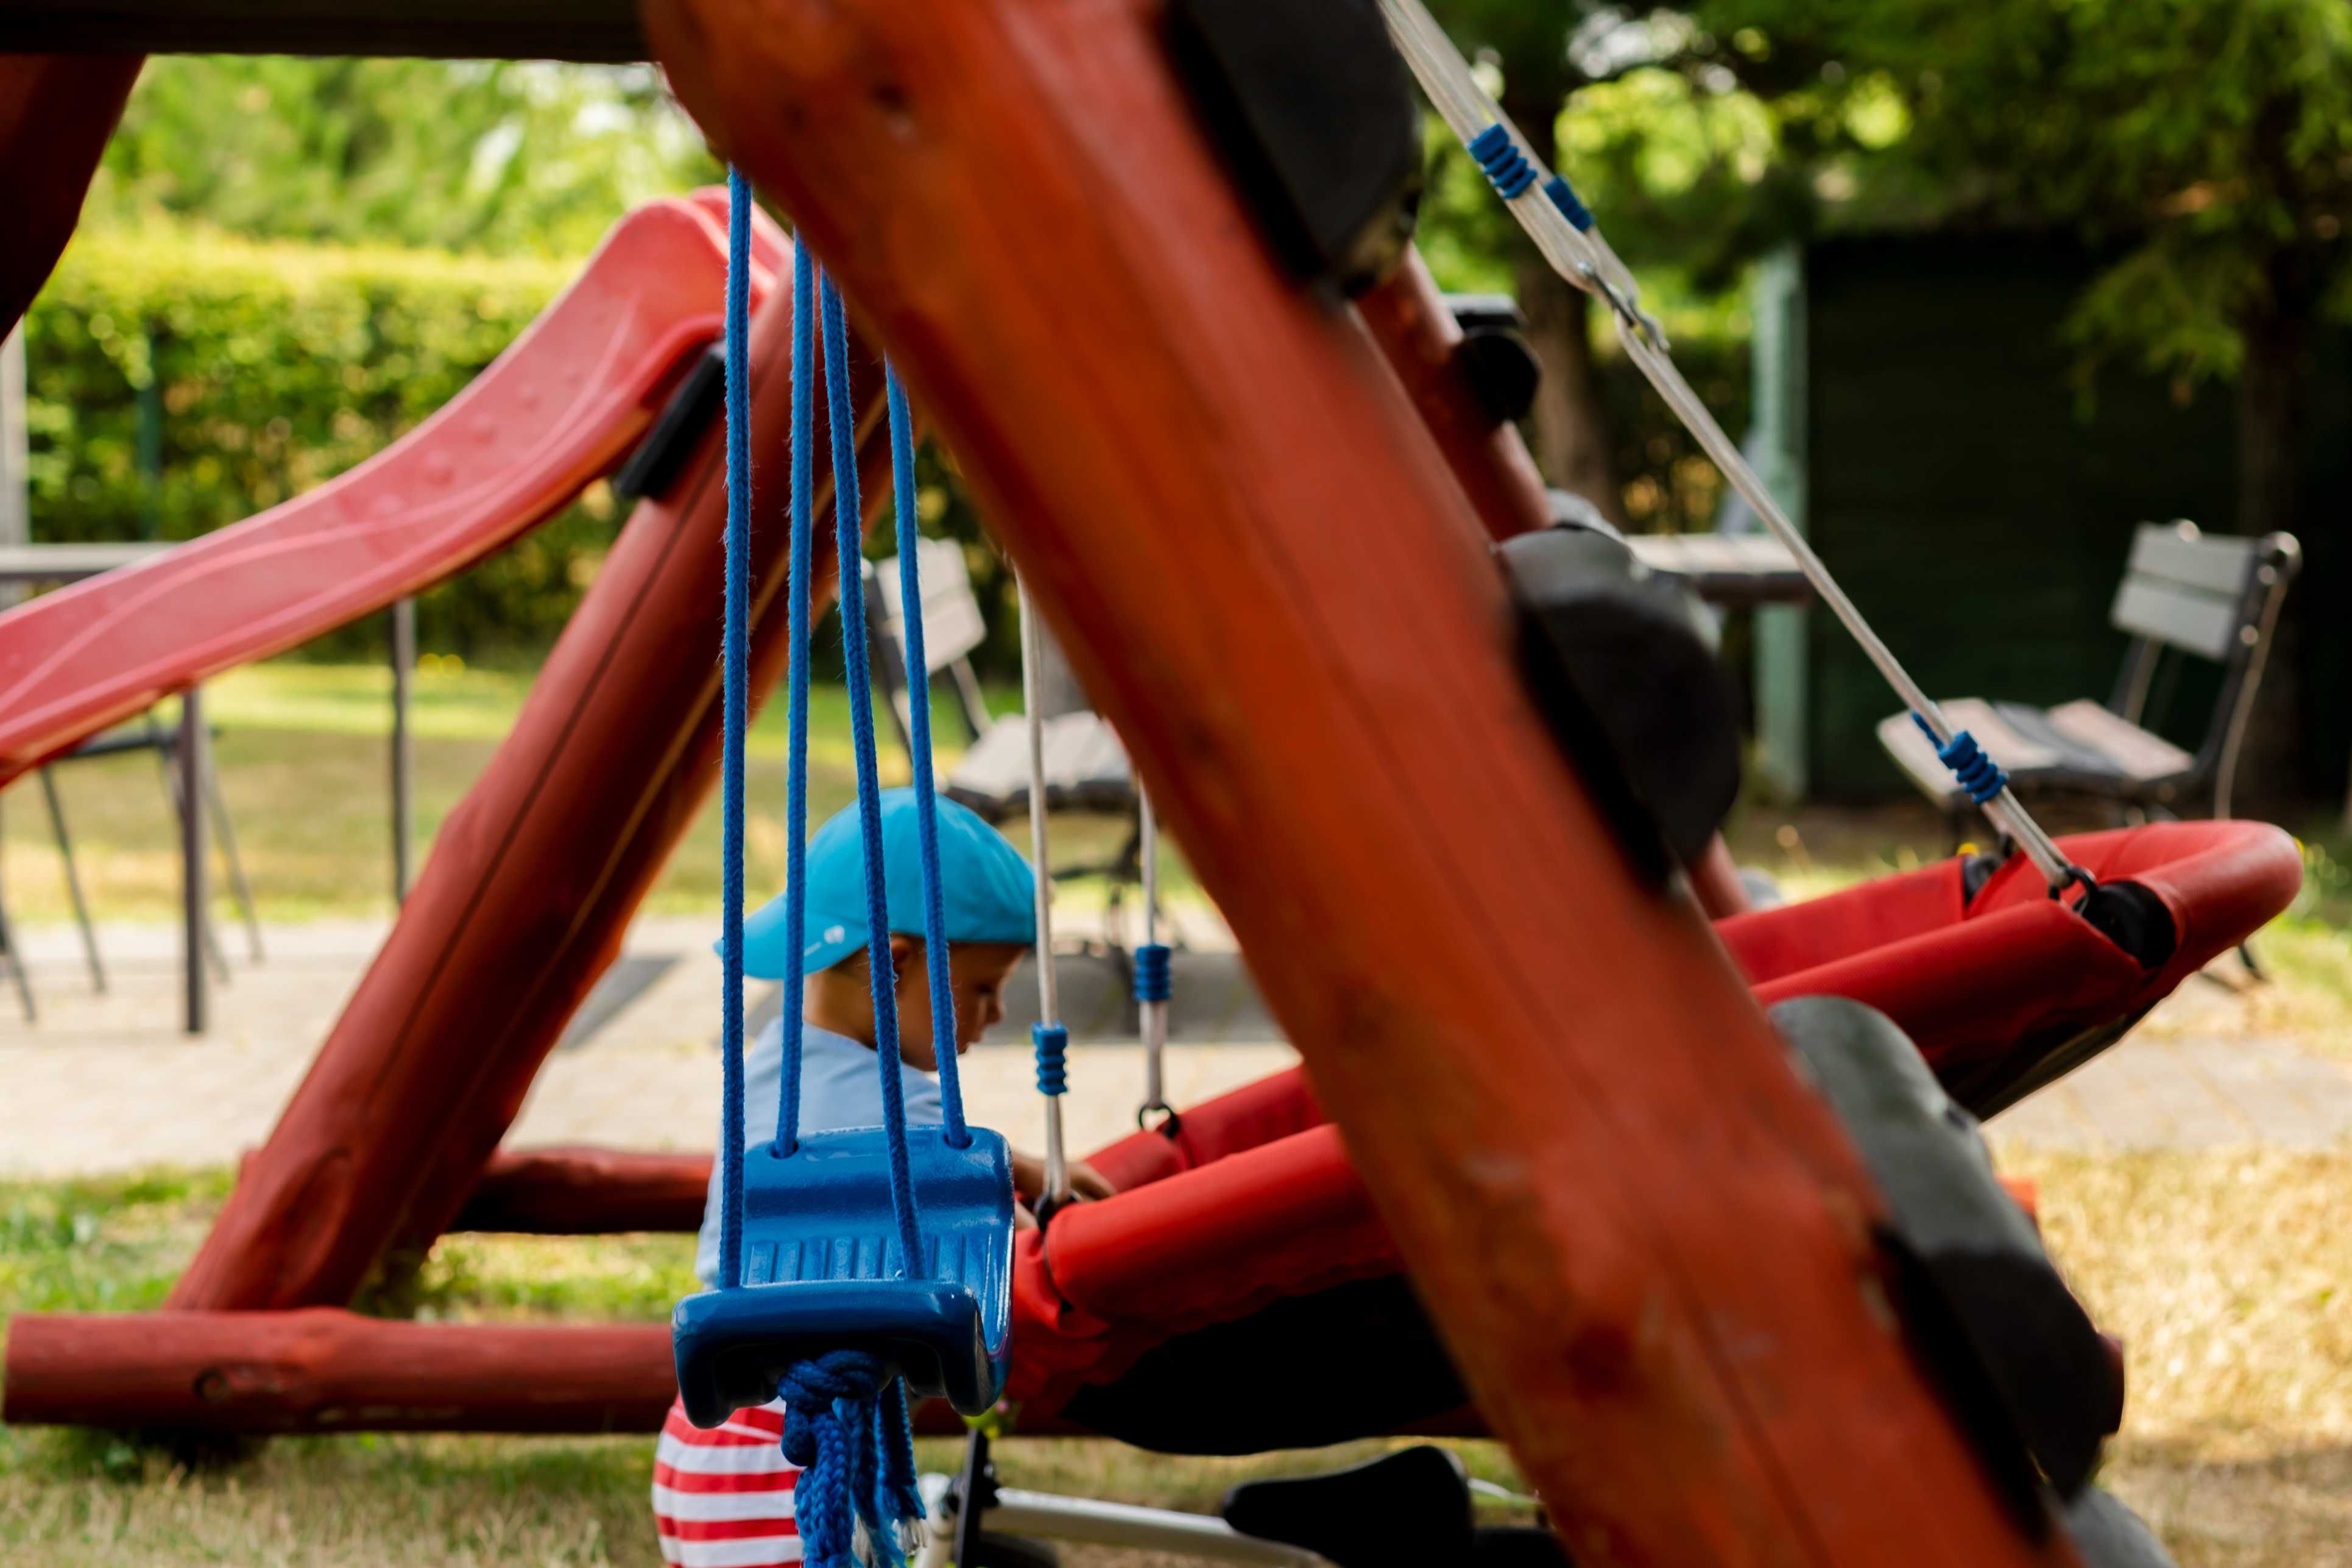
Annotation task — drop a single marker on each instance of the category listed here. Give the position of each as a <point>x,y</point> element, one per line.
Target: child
<point>723,1497</point>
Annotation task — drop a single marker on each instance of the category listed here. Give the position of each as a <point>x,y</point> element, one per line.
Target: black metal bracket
<point>973,1496</point>
<point>1493,356</point>
<point>2018,1359</point>
<point>685,419</point>
<point>1621,664</point>
<point>1313,113</point>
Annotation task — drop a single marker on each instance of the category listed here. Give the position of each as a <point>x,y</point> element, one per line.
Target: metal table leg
<point>193,869</point>
<point>404,748</point>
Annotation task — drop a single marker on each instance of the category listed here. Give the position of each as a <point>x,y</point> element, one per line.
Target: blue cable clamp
<point>824,1270</point>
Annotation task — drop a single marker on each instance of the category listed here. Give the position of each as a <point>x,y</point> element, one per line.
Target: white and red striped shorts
<point>723,1498</point>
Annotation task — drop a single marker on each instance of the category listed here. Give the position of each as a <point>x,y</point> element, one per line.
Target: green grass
<point>2223,1272</point>
<point>304,763</point>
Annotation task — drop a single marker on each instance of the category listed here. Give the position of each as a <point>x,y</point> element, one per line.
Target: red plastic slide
<point>563,404</point>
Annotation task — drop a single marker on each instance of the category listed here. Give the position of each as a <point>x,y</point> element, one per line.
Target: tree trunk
<point>1574,438</point>
<point>2276,775</point>
<point>1575,443</point>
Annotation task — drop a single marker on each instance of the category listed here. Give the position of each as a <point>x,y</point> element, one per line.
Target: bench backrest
<point>2191,591</point>
<point>2213,596</point>
<point>952,624</point>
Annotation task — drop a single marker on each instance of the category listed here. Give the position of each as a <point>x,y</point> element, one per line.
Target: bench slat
<point>2202,622</point>
<point>2207,564</point>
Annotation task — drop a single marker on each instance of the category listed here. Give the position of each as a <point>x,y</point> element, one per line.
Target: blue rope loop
<point>735,706</point>
<point>918,748</point>
<point>1979,774</point>
<point>846,1426</point>
<point>1153,980</point>
<point>798,616</point>
<point>1053,1042</point>
<point>849,539</point>
<point>1563,196</point>
<point>1505,165</point>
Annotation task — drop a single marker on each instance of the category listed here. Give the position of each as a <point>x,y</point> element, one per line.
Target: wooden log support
<point>1409,320</point>
<point>56,114</point>
<point>604,31</point>
<point>1417,335</point>
<point>1647,1244</point>
<point>321,1369</point>
<point>587,1192</point>
<point>608,1191</point>
<point>530,884</point>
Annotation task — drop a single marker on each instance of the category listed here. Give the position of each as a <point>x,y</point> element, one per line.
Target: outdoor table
<point>29,564</point>
<point>1733,570</point>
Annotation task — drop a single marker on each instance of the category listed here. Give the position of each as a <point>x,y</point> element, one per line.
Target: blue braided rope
<point>1563,196</point>
<point>919,747</point>
<point>848,533</point>
<point>1505,167</point>
<point>1153,979</point>
<point>1053,1042</point>
<point>734,698</point>
<point>1977,773</point>
<point>797,598</point>
<point>846,1426</point>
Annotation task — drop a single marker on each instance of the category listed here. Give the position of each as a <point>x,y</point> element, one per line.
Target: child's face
<point>977,973</point>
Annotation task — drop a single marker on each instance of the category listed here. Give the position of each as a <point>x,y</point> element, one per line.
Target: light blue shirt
<point>840,1086</point>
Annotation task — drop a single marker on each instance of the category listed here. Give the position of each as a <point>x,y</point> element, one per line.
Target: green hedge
<point>180,381</point>
<point>177,383</point>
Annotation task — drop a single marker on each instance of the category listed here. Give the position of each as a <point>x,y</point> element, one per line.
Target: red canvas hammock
<point>1241,1234</point>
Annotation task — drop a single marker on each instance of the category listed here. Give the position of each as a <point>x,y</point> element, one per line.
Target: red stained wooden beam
<point>321,1369</point>
<point>1408,318</point>
<point>587,1192</point>
<point>530,888</point>
<point>56,114</point>
<point>1646,1243</point>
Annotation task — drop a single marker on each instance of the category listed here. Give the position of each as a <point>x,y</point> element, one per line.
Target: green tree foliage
<point>2206,143</point>
<point>494,156</point>
<point>2203,147</point>
<point>1696,147</point>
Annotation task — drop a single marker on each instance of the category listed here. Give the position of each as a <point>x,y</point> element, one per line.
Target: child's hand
<point>1029,1178</point>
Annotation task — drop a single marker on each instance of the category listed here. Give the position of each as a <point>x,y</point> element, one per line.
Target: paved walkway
<point>108,1083</point>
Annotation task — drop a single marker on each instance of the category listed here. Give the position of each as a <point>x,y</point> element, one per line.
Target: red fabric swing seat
<point>2002,987</point>
<point>1241,1257</point>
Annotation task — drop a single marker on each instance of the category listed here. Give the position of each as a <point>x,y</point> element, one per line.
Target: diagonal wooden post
<point>1646,1241</point>
<point>529,890</point>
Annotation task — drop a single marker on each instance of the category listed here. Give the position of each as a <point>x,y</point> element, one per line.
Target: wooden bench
<point>2184,595</point>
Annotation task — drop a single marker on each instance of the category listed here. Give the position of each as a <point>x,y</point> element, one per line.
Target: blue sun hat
<point>990,892</point>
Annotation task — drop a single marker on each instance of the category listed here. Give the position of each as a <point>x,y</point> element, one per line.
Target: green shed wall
<point>1980,512</point>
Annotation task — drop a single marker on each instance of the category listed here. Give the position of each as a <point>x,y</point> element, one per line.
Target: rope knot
<point>846,1426</point>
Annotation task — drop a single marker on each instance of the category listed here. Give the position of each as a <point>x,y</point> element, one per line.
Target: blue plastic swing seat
<point>823,1270</point>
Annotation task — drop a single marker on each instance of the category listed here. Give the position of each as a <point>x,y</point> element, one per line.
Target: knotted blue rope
<point>1505,165</point>
<point>918,751</point>
<point>1979,774</point>
<point>848,521</point>
<point>735,701</point>
<point>846,1426</point>
<point>1153,977</point>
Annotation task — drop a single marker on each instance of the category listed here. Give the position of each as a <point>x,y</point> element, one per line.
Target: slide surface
<point>563,404</point>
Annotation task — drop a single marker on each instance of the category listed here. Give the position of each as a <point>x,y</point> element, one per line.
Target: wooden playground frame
<point>1648,1245</point>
